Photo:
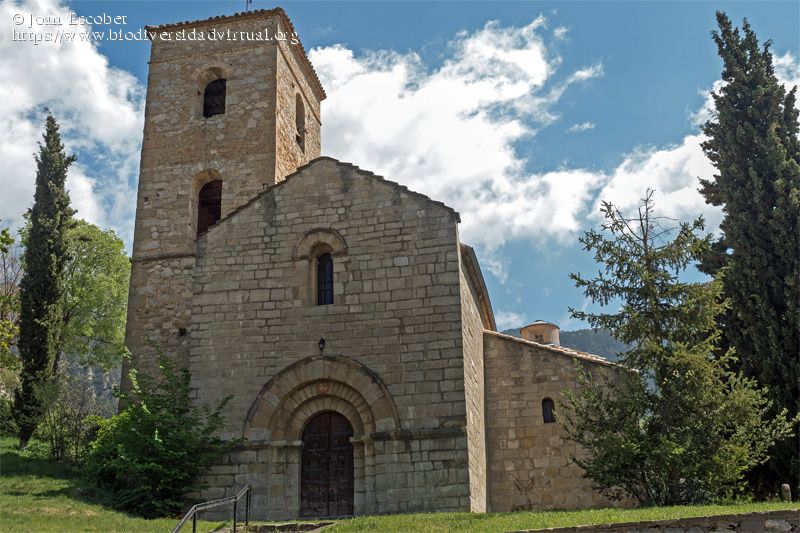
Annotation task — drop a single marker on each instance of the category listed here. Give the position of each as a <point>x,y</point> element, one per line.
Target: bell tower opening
<point>209,206</point>
<point>214,98</point>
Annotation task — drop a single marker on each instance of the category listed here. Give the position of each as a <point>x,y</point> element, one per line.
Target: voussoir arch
<point>318,383</point>
<point>209,72</point>
<point>312,239</point>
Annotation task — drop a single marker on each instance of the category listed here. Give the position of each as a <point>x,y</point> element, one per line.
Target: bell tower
<point>233,106</point>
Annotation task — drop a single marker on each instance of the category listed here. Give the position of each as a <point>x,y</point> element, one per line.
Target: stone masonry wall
<point>529,461</point>
<point>182,150</point>
<point>474,392</point>
<point>396,314</point>
<point>290,83</point>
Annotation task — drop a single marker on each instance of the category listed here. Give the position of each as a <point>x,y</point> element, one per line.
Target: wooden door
<point>326,469</point>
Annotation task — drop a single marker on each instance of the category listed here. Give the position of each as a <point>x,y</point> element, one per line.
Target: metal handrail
<point>192,513</point>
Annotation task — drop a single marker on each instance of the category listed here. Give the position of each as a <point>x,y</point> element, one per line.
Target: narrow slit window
<point>324,279</point>
<point>548,413</point>
<point>300,122</point>
<point>214,98</point>
<point>209,206</point>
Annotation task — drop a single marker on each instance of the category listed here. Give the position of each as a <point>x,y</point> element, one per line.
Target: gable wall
<point>396,310</point>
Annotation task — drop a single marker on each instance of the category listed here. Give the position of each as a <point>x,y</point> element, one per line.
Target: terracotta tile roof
<point>555,349</point>
<point>258,13</point>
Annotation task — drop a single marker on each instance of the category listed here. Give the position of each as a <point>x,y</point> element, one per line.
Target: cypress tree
<point>753,143</point>
<point>42,285</point>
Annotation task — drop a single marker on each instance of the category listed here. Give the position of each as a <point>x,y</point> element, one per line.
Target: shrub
<point>72,417</point>
<point>154,452</point>
<point>7,424</point>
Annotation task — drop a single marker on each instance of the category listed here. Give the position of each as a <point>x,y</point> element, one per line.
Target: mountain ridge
<point>598,342</point>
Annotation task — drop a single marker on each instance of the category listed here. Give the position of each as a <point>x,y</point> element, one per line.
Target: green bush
<point>72,418</point>
<point>154,452</point>
<point>7,424</point>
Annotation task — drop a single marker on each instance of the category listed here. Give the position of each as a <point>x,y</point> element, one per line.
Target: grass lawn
<point>39,495</point>
<point>474,523</point>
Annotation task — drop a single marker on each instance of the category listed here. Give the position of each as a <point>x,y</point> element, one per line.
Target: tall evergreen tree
<point>42,285</point>
<point>681,425</point>
<point>753,143</point>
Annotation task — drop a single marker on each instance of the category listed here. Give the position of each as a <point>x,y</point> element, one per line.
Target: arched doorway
<point>326,466</point>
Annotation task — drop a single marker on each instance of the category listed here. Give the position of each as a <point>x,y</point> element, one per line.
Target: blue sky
<point>522,114</point>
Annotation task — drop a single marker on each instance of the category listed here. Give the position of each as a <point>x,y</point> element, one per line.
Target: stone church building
<point>339,310</point>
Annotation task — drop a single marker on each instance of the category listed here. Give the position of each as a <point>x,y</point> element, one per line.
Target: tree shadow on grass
<point>52,493</point>
<point>31,473</point>
<point>15,462</point>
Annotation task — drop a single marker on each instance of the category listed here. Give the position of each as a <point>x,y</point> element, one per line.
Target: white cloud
<point>583,126</point>
<point>100,109</point>
<point>787,70</point>
<point>450,132</point>
<point>510,319</point>
<point>82,195</point>
<point>498,264</point>
<point>674,171</point>
<point>587,73</point>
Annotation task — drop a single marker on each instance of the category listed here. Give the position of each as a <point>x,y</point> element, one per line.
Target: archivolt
<point>316,237</point>
<point>320,383</point>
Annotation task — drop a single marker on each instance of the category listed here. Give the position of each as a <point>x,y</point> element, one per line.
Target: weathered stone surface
<point>529,460</point>
<point>249,147</point>
<point>446,413</point>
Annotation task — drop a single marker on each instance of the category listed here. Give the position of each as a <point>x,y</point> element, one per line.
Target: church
<point>338,309</point>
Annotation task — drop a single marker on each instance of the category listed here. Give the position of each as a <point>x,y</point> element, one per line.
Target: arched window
<point>300,122</point>
<point>325,279</point>
<point>547,411</point>
<point>209,206</point>
<point>214,98</point>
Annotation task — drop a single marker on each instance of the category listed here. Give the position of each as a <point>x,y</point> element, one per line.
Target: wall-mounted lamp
<point>321,345</point>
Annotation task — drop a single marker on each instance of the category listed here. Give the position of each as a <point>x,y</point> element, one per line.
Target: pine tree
<point>753,143</point>
<point>676,423</point>
<point>42,285</point>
